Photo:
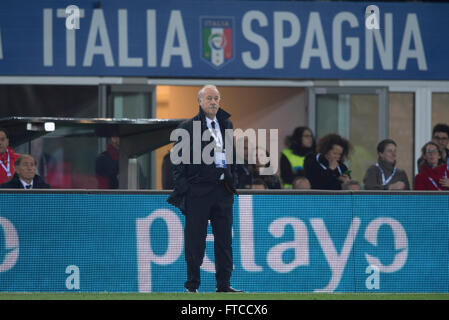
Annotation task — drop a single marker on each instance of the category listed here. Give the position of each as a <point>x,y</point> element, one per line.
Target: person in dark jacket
<point>325,169</point>
<point>25,176</point>
<point>205,190</point>
<point>107,165</point>
<point>167,180</point>
<point>299,145</point>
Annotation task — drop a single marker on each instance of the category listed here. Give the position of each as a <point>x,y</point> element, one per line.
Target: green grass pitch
<point>223,296</point>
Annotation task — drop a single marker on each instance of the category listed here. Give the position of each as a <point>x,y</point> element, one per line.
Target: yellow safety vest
<point>297,163</point>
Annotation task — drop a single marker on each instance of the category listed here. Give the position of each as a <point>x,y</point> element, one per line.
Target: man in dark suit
<point>107,165</point>
<point>25,176</point>
<point>205,192</point>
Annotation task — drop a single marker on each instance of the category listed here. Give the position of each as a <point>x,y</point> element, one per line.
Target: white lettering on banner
<point>285,34</point>
<point>145,254</point>
<point>400,243</point>
<point>48,37</point>
<point>70,38</point>
<point>123,57</point>
<point>300,245</point>
<point>11,249</point>
<point>279,41</point>
<point>176,29</point>
<point>1,46</point>
<point>98,27</point>
<point>315,31</point>
<point>73,280</point>
<point>385,51</point>
<point>337,262</point>
<point>351,42</point>
<point>406,52</point>
<point>251,36</point>
<point>247,252</point>
<point>151,39</point>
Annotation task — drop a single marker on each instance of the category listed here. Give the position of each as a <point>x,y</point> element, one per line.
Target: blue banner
<point>225,39</point>
<point>93,242</point>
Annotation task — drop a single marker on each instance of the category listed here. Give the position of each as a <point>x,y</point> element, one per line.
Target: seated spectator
<point>7,157</point>
<point>258,183</point>
<point>325,169</point>
<point>242,166</point>
<point>440,136</point>
<point>384,175</point>
<point>107,165</point>
<point>272,181</point>
<point>299,145</point>
<point>351,185</point>
<point>431,176</point>
<point>301,183</point>
<point>247,172</point>
<point>25,176</point>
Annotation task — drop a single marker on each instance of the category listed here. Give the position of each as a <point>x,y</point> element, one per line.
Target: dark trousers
<point>214,204</point>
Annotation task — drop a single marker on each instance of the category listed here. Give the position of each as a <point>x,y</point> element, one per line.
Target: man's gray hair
<point>207,86</point>
<point>22,157</point>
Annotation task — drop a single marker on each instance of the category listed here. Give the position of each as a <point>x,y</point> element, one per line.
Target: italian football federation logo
<point>217,46</point>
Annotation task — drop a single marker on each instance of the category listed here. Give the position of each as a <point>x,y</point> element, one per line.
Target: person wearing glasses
<point>299,145</point>
<point>432,176</point>
<point>384,175</point>
<point>440,135</point>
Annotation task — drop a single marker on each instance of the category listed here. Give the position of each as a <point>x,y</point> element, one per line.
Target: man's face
<point>4,142</point>
<point>115,142</point>
<point>26,170</point>
<point>441,139</point>
<point>209,102</point>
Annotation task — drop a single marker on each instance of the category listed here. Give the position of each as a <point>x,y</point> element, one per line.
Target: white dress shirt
<point>26,184</point>
<point>216,133</point>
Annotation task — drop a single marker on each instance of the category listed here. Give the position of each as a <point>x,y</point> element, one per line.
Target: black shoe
<point>228,289</point>
<point>192,290</point>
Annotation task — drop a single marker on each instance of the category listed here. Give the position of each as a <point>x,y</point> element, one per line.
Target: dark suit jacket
<point>14,183</point>
<point>202,176</point>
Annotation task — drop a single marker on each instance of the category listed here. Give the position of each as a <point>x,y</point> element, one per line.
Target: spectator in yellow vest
<point>299,145</point>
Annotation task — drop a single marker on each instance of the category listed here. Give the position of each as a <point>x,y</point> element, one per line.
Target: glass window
<point>355,117</point>
<point>402,130</point>
<point>440,108</point>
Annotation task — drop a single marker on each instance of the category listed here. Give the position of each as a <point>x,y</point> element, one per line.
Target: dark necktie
<point>28,186</point>
<point>213,124</point>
